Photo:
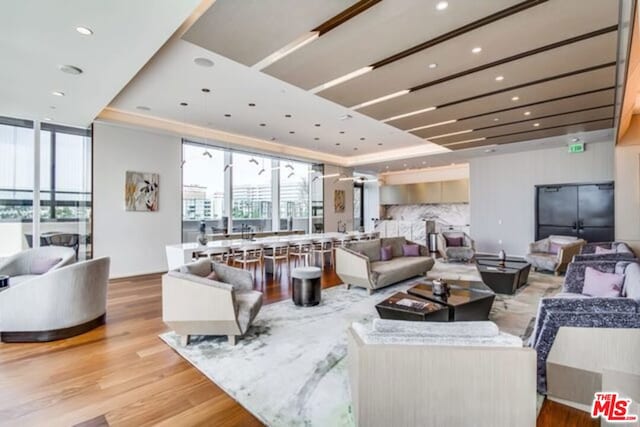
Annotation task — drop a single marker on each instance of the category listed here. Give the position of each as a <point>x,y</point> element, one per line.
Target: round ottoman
<point>306,286</point>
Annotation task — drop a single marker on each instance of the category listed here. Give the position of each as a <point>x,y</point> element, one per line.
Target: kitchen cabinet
<point>454,191</point>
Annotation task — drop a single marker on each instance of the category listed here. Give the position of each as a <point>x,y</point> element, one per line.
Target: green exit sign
<point>576,148</point>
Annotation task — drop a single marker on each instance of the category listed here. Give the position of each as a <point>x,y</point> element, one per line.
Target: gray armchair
<point>571,308</point>
<point>59,304</point>
<point>192,304</point>
<point>542,255</point>
<point>26,265</point>
<point>465,252</point>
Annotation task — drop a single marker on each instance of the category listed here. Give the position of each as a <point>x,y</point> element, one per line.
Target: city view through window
<point>236,191</point>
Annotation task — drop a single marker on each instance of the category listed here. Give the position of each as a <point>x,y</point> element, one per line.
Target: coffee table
<point>503,278</point>
<point>417,309</point>
<point>467,300</point>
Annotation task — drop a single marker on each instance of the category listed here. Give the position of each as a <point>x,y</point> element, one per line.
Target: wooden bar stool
<point>277,252</point>
<point>249,255</point>
<point>322,247</point>
<point>301,250</point>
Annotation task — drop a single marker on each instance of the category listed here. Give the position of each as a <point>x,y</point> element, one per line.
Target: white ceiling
<point>37,36</point>
<point>172,77</point>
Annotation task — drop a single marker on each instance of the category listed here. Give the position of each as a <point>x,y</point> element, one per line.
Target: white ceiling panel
<point>36,37</point>
<point>385,29</point>
<point>539,26</point>
<point>248,31</point>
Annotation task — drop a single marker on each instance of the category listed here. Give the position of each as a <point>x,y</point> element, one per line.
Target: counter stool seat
<point>306,286</point>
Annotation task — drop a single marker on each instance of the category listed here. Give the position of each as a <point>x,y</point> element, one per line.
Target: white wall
<point>502,190</point>
<point>135,241</point>
<point>331,218</point>
<point>627,162</point>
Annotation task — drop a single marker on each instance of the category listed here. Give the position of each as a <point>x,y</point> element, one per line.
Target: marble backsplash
<point>456,214</point>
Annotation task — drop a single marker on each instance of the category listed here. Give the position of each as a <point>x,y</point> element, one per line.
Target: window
<point>203,195</point>
<point>251,194</point>
<point>64,187</point>
<point>294,195</point>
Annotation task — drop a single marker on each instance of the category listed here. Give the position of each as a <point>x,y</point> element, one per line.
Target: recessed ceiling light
<point>341,131</point>
<point>386,167</point>
<point>143,108</point>
<point>362,139</point>
<point>251,104</point>
<point>379,143</point>
<point>57,93</point>
<point>288,116</point>
<point>263,124</point>
<point>316,139</point>
<point>184,104</point>
<point>337,143</point>
<point>205,90</point>
<point>499,78</point>
<point>203,62</point>
<point>317,125</point>
<point>273,138</point>
<point>70,69</point>
<point>535,125</point>
<point>515,98</point>
<point>476,49</point>
<point>53,107</point>
<point>489,150</point>
<point>48,119</point>
<point>84,31</point>
<point>433,65</point>
<point>442,5</point>
<point>292,132</point>
<point>527,113</point>
<point>355,148</point>
<point>575,139</point>
<point>227,115</point>
<point>495,119</point>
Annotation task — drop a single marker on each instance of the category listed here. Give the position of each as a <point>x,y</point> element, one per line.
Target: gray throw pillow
<point>42,265</point>
<point>200,268</point>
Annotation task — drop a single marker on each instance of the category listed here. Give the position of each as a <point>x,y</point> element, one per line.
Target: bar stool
<point>323,246</point>
<point>277,252</point>
<point>249,255</point>
<point>301,250</point>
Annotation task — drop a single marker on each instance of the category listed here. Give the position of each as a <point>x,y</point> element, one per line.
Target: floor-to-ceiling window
<point>63,185</point>
<point>251,196</point>
<point>232,190</point>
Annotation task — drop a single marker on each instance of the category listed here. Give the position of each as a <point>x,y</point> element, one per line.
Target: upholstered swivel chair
<point>59,304</point>
<point>31,263</point>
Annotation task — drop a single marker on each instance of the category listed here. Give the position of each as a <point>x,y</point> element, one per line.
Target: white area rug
<point>290,370</point>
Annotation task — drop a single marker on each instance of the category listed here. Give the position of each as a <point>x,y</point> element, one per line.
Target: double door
<point>585,211</point>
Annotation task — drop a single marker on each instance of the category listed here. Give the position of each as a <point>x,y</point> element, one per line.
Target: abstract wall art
<point>141,191</point>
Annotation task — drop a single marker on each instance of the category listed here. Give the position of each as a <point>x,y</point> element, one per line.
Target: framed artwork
<point>338,201</point>
<point>141,191</point>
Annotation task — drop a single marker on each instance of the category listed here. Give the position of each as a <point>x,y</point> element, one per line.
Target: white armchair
<point>192,304</point>
<point>58,304</point>
<point>24,265</point>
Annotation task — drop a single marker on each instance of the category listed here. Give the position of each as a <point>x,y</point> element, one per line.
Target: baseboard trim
<point>54,334</point>
<point>137,277</point>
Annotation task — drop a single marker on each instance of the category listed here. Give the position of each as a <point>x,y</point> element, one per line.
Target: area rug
<point>290,369</point>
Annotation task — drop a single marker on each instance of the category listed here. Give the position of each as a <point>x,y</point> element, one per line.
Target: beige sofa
<point>359,263</point>
<point>59,304</point>
<point>195,305</point>
<point>450,374</point>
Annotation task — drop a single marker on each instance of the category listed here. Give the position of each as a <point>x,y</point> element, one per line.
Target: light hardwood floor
<point>122,374</point>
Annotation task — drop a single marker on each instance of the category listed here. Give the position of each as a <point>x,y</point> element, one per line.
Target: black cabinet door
<point>595,212</point>
<point>557,211</point>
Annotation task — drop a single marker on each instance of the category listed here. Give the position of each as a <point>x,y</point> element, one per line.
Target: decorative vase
<point>202,235</point>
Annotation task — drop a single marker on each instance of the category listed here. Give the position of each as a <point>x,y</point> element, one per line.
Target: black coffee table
<point>467,300</point>
<point>503,277</point>
<point>402,306</point>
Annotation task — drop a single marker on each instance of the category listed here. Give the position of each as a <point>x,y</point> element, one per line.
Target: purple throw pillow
<point>600,250</point>
<point>554,248</point>
<point>410,250</point>
<point>455,242</point>
<point>214,276</point>
<point>42,265</point>
<point>386,253</point>
<point>601,284</point>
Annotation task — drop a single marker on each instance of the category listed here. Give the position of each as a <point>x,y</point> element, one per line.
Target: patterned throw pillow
<point>214,276</point>
<point>600,250</point>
